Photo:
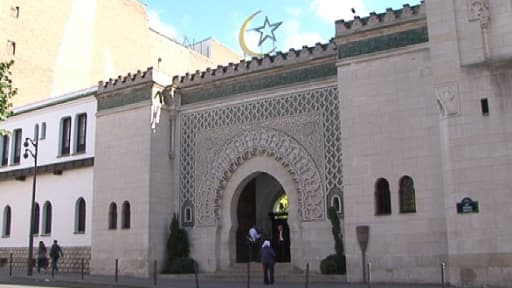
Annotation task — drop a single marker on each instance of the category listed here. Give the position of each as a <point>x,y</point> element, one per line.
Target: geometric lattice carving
<point>261,142</point>
<point>322,103</point>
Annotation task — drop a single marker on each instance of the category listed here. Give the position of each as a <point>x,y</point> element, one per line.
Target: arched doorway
<point>264,203</point>
<point>227,226</point>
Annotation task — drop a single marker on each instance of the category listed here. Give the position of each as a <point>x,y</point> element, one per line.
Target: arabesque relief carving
<point>311,118</point>
<point>261,142</point>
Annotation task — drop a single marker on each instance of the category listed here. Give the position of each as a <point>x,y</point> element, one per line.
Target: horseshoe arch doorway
<point>264,203</point>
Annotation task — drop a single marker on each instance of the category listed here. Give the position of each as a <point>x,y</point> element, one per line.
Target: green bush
<point>181,265</point>
<point>333,264</point>
<point>332,214</point>
<point>328,265</point>
<point>178,250</point>
<point>177,244</point>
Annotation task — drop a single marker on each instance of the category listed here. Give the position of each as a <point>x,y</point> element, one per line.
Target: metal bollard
<point>443,280</point>
<point>117,271</point>
<point>307,275</point>
<point>83,268</point>
<point>249,274</point>
<point>195,272</point>
<point>369,273</point>
<point>154,273</point>
<point>10,264</point>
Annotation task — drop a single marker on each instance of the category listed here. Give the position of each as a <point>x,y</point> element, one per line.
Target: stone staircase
<point>282,271</point>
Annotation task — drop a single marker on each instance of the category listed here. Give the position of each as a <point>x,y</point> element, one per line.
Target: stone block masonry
<point>71,262</point>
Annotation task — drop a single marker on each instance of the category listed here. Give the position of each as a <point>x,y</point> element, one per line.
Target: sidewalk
<point>173,281</point>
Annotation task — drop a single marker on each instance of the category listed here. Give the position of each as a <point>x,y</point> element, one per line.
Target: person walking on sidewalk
<point>268,259</point>
<point>55,254</point>
<point>42,258</point>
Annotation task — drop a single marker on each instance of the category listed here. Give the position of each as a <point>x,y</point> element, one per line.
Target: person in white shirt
<point>253,237</point>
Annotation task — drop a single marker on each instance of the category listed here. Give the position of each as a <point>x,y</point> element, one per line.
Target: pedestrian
<point>282,243</point>
<point>268,259</point>
<point>55,254</point>
<point>42,259</point>
<point>253,237</point>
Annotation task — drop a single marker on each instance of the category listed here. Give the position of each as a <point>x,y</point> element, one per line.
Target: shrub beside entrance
<point>178,250</point>
<point>335,263</point>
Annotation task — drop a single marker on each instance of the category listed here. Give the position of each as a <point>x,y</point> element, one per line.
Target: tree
<point>7,91</point>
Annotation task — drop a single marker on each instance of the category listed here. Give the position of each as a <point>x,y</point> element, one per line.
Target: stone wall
<point>471,51</point>
<point>390,130</point>
<point>121,173</point>
<point>71,262</point>
<point>417,109</point>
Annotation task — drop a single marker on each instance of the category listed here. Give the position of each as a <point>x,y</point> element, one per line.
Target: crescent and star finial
<point>266,32</point>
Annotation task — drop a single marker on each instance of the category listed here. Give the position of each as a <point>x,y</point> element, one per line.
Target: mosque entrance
<point>264,203</point>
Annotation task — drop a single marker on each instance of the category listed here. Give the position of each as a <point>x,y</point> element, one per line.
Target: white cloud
<point>294,11</point>
<point>296,39</point>
<point>332,10</point>
<point>157,24</point>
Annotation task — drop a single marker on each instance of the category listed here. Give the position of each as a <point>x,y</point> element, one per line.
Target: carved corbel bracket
<point>478,10</point>
<point>447,97</point>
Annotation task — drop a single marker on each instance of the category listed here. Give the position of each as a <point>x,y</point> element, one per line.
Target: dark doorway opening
<point>246,213</point>
<point>264,203</point>
<point>280,229</point>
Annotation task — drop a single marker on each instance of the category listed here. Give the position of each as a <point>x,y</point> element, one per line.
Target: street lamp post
<point>32,152</point>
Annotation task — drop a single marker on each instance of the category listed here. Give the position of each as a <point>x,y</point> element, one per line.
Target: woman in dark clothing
<point>42,259</point>
<point>268,259</point>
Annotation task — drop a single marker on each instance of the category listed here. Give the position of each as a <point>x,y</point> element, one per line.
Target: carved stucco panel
<point>260,141</point>
<point>311,118</point>
<point>216,160</point>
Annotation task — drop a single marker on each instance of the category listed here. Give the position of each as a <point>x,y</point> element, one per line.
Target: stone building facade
<point>402,122</point>
<point>425,96</point>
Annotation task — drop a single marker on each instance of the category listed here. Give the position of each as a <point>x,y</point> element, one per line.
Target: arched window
<point>36,132</point>
<point>4,148</point>
<point>336,203</point>
<point>112,216</point>
<point>42,135</point>
<point>188,214</point>
<point>80,215</point>
<point>65,136</point>
<point>382,197</point>
<point>47,218</point>
<point>407,195</point>
<point>125,224</point>
<point>7,222</point>
<point>81,129</point>
<point>35,229</point>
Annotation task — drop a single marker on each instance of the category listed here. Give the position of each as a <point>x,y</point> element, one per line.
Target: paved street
<point>185,281</point>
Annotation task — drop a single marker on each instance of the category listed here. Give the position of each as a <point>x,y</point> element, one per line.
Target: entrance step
<point>282,271</point>
<point>256,267</point>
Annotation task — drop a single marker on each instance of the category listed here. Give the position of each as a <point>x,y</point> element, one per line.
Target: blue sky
<point>304,22</point>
